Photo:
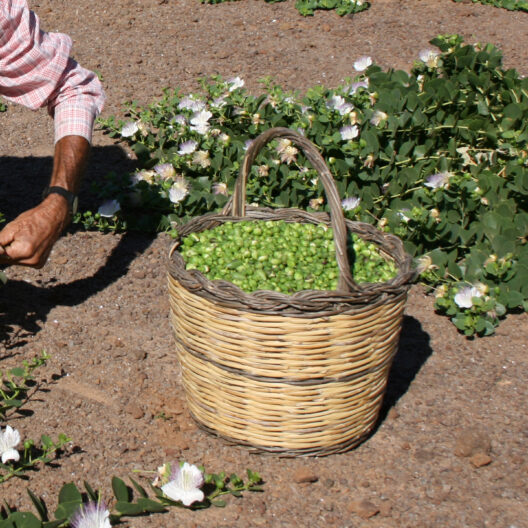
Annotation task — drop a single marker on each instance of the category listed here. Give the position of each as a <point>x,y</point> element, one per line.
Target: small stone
<point>480,460</point>
<point>134,410</point>
<point>139,274</point>
<point>304,475</point>
<point>471,441</point>
<point>364,508</point>
<point>406,446</point>
<point>139,354</point>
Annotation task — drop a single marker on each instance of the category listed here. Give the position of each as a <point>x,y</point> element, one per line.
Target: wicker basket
<point>300,374</point>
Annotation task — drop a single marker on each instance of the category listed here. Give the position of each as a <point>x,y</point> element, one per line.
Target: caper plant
<point>437,155</point>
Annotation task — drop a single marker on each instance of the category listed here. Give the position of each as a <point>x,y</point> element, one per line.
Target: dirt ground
<point>450,449</point>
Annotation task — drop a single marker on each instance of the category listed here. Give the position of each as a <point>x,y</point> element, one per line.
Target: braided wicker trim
<point>303,303</point>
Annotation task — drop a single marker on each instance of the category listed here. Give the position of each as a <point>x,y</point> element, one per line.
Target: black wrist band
<point>71,198</point>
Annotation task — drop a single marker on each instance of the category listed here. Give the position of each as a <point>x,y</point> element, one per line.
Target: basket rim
<point>302,303</point>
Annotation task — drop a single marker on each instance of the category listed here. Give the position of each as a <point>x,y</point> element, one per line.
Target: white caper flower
<point>424,263</point>
<point>234,83</point>
<point>165,170</point>
<point>202,158</point>
<point>289,154</point>
<point>315,203</point>
<point>378,118</point>
<point>430,57</point>
<point>129,129</point>
<point>263,170</point>
<point>349,132</point>
<point>350,203</point>
<point>464,297</point>
<point>185,485</point>
<point>9,439</point>
<point>220,188</point>
<point>179,190</point>
<point>191,103</point>
<point>142,127</point>
<point>435,215</point>
<point>187,147</point>
<point>200,121</point>
<point>369,161</point>
<point>91,515</point>
<point>109,208</point>
<point>438,180</point>
<point>362,63</point>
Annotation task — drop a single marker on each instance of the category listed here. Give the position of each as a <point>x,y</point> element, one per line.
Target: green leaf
<point>46,441</point>
<point>150,505</point>
<point>70,499</point>
<point>18,371</point>
<point>128,508</point>
<point>39,505</point>
<point>140,489</point>
<point>69,493</point>
<point>91,493</point>
<point>121,490</point>
<point>21,520</point>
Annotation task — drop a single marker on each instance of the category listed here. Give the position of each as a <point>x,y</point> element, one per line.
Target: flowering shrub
<point>437,156</point>
<point>511,5</point>
<point>307,7</point>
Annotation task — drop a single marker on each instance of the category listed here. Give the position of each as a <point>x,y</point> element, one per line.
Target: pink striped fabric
<point>36,70</point>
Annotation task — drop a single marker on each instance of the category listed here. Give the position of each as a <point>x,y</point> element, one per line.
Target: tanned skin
<point>29,238</point>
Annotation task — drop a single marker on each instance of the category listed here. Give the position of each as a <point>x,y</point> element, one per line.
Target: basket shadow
<point>24,307</point>
<point>413,351</point>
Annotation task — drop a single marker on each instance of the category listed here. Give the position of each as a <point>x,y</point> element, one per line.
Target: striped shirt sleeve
<point>36,70</point>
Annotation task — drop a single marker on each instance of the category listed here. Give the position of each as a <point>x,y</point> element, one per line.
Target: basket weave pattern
<point>300,374</point>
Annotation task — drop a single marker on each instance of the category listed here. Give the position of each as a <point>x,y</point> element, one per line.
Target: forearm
<point>69,162</point>
<point>29,238</point>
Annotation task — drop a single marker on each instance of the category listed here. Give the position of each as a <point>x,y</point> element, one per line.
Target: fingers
<point>29,238</point>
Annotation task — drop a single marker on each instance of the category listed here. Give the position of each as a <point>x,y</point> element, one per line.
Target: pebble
<point>471,441</point>
<point>304,475</point>
<point>364,508</point>
<point>139,354</point>
<point>480,459</point>
<point>134,410</point>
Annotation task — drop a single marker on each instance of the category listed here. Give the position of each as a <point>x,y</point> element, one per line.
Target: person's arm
<point>29,238</point>
<point>35,71</point>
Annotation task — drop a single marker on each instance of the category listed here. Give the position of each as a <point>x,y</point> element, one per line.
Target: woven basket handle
<point>236,206</point>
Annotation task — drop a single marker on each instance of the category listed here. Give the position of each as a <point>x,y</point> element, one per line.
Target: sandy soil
<point>100,306</point>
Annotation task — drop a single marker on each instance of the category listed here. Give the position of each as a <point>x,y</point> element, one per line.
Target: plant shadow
<point>23,306</point>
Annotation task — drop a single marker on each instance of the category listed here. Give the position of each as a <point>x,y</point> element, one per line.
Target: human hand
<point>29,238</point>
